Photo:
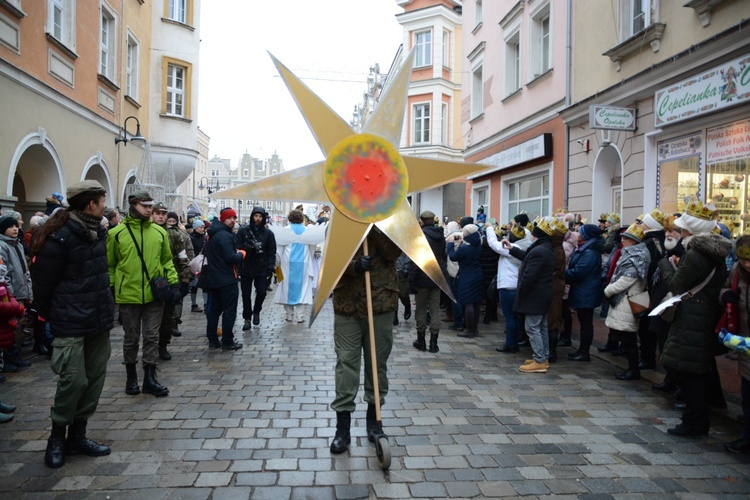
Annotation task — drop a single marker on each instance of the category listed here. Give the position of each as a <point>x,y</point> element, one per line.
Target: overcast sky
<point>331,44</point>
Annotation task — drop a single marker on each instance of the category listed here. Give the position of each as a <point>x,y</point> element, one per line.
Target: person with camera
<point>139,258</point>
<point>257,267</point>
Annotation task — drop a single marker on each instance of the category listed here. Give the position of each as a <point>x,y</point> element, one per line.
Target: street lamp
<point>239,210</point>
<point>211,189</point>
<point>137,137</point>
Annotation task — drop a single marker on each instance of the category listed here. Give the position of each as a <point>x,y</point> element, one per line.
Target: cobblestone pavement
<point>463,423</point>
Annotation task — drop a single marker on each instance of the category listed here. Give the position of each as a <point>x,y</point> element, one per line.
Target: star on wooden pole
<point>365,178</point>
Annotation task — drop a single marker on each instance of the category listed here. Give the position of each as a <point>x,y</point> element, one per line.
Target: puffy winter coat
<point>471,289</point>
<point>555,316</point>
<point>222,255</point>
<point>584,275</point>
<point>691,341</point>
<point>257,263</point>
<point>629,279</point>
<point>125,268</point>
<point>19,280</point>
<point>534,292</point>
<point>71,282</point>
<point>417,277</point>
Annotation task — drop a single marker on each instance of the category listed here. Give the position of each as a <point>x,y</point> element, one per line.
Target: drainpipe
<point>569,71</point>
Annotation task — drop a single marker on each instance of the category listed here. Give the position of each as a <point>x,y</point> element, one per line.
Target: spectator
<point>198,238</point>
<point>403,266</point>
<point>19,280</point>
<point>653,230</point>
<point>351,333</point>
<point>137,251</point>
<point>71,284</point>
<point>467,251</point>
<point>257,269</point>
<point>223,262</point>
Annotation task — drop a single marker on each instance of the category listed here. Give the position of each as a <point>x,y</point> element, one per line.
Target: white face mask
<point>670,242</point>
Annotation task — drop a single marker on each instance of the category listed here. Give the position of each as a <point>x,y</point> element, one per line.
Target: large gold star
<point>363,176</point>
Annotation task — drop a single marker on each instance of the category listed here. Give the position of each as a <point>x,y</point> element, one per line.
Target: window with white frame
<point>512,63</point>
<point>423,46</point>
<point>175,90</point>
<point>477,13</point>
<point>421,122</point>
<point>446,49</point>
<point>269,205</point>
<point>530,195</point>
<point>61,21</point>
<point>635,16</point>
<point>107,43</point>
<point>131,72</point>
<point>540,54</point>
<point>444,124</point>
<point>477,91</point>
<point>279,205</point>
<point>481,198</point>
<point>178,11</point>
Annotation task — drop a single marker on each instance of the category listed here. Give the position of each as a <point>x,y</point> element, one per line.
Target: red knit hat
<point>227,213</point>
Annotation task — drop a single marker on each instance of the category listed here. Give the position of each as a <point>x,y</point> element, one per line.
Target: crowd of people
<point>79,269</point>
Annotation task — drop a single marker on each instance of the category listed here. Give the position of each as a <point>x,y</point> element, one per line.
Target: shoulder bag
<point>668,307</point>
<point>159,284</point>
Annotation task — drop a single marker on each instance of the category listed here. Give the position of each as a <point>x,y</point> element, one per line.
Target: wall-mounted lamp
<point>585,144</point>
<point>137,137</point>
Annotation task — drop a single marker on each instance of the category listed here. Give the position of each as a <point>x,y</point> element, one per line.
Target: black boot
<point>54,457</point>
<point>407,311</point>
<point>433,343</point>
<point>373,426</point>
<point>150,384</point>
<point>78,443</point>
<point>395,317</point>
<point>131,385</point>
<point>164,353</point>
<point>342,438</point>
<point>419,344</point>
<point>552,358</point>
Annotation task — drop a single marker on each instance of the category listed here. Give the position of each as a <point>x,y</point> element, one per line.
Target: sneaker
<point>530,361</point>
<point>289,317</point>
<point>246,326</point>
<point>300,319</point>
<point>533,367</point>
<point>196,309</point>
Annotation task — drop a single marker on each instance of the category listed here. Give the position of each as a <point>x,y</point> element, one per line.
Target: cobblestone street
<point>463,423</point>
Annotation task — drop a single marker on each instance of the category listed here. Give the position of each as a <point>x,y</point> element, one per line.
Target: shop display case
<point>728,190</point>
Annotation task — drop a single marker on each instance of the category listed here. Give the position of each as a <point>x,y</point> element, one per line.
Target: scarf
<point>633,263</point>
<point>89,222</point>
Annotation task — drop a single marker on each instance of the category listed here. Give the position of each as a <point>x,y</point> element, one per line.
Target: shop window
<point>530,195</point>
<point>678,174</point>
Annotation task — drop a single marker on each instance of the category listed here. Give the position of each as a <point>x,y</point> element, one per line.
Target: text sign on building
<point>721,87</point>
<point>728,142</point>
<point>612,118</point>
<point>533,149</point>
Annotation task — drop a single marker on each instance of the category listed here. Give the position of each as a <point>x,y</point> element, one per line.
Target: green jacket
<point>125,267</point>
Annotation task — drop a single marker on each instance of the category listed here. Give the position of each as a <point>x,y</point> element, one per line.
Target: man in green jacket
<point>137,251</point>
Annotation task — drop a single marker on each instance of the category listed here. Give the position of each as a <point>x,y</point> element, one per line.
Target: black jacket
<point>436,240</point>
<point>260,244</point>
<point>70,279</point>
<point>534,292</point>
<point>222,255</point>
<point>198,241</point>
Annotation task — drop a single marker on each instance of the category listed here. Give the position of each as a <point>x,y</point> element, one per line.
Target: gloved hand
<point>730,297</point>
<point>363,264</point>
<point>176,295</point>
<point>184,289</point>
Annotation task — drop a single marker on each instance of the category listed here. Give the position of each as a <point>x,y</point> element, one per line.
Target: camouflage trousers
<point>142,319</point>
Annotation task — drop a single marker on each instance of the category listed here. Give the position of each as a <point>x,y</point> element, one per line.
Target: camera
<point>252,246</point>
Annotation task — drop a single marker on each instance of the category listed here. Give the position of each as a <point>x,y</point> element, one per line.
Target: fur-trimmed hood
<point>713,245</point>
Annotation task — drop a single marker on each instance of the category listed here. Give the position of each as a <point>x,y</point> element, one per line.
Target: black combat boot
<point>131,385</point>
<point>419,344</point>
<point>343,437</point>
<point>373,426</point>
<point>78,443</point>
<point>150,384</point>
<point>54,457</point>
<point>164,353</point>
<point>433,343</point>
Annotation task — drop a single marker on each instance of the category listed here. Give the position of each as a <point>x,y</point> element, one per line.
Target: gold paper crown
<point>742,246</point>
<point>657,215</point>
<point>698,209</point>
<point>545,226</point>
<point>635,231</point>
<point>603,217</point>
<point>561,210</point>
<point>560,226</point>
<point>518,232</point>
<point>613,217</point>
<point>639,219</point>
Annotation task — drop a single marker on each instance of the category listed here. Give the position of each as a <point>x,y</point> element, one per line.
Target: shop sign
<point>680,147</point>
<point>612,118</point>
<point>721,87</point>
<point>728,142</point>
<point>533,149</point>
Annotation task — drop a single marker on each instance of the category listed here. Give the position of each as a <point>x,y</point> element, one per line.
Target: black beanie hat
<point>522,220</point>
<point>6,222</point>
<point>173,215</point>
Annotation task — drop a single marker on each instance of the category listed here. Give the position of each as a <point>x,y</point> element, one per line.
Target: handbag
<point>197,264</point>
<point>639,304</point>
<point>159,285</point>
<point>668,307</point>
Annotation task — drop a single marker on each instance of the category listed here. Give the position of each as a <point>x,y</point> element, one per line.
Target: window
<point>176,88</point>
<point>477,92</point>
<point>444,124</point>
<point>61,21</point>
<point>481,198</point>
<point>512,63</point>
<point>640,15</point>
<point>279,205</point>
<point>530,195</point>
<point>423,44</point>
<point>131,73</point>
<point>540,42</point>
<point>246,172</point>
<point>478,13</point>
<point>446,49</point>
<point>269,205</point>
<point>178,11</point>
<point>107,44</point>
<point>422,123</point>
